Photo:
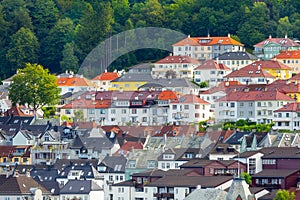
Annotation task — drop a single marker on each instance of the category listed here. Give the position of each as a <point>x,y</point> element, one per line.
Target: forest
<point>59,34</point>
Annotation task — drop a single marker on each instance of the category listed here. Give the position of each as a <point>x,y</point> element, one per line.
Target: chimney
<point>270,36</point>
<point>189,36</point>
<point>217,60</point>
<point>285,36</point>
<point>228,35</point>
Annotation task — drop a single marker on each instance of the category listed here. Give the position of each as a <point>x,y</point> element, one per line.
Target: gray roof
<point>237,56</point>
<point>114,164</point>
<point>80,187</point>
<point>141,157</point>
<point>209,193</point>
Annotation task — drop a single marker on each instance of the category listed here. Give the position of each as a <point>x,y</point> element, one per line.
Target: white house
<point>211,71</point>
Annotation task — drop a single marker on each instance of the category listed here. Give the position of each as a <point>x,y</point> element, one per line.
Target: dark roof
<point>87,171</point>
<point>80,187</point>
<point>247,154</point>
<point>113,164</point>
<point>223,148</point>
<point>128,183</point>
<point>61,164</point>
<point>191,181</point>
<point>237,56</point>
<point>281,152</point>
<point>180,152</point>
<point>269,196</point>
<point>236,137</point>
<point>276,173</point>
<point>20,185</point>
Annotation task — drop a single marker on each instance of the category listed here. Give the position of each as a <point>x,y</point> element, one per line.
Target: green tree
<point>247,177</point>
<point>23,48</point>
<point>284,195</point>
<point>78,116</point>
<point>203,84</point>
<point>284,27</point>
<point>34,86</point>
<point>53,45</point>
<point>69,61</point>
<point>44,15</point>
<point>94,27</point>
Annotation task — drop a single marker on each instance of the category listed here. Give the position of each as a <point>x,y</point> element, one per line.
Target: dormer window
<point>168,156</point>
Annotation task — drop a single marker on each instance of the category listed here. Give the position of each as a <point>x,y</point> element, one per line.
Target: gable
<point>20,139</point>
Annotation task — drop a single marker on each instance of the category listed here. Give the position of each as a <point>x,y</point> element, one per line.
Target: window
<point>102,111</point>
<point>232,104</point>
<point>186,107</point>
<point>67,111</point>
<point>174,107</point>
<point>144,119</point>
<point>123,111</point>
<point>144,111</point>
<point>133,111</point>
<point>212,72</point>
<point>91,111</point>
<point>113,111</point>
<point>242,104</point>
<point>127,85</point>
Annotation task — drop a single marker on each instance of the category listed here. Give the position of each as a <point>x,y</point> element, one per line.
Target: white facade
<point>186,113</point>
<point>213,76</point>
<point>254,163</point>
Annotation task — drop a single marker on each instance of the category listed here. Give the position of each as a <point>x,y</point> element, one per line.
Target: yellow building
<point>15,154</point>
<point>275,68</point>
<point>291,59</point>
<point>126,86</point>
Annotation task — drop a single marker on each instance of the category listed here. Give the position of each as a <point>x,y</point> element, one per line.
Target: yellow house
<point>126,85</point>
<point>275,68</point>
<point>15,154</point>
<point>291,59</point>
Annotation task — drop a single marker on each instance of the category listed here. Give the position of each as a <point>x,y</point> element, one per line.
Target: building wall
<point>126,86</point>
<point>293,63</point>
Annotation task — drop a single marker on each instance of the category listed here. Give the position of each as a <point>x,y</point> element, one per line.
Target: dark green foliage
<point>86,23</point>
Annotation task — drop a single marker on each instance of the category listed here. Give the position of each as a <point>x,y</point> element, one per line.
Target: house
<point>174,158</point>
<point>112,168</point>
<point>189,109</point>
<point>252,160</point>
<point>276,178</point>
<point>287,117</point>
<point>93,146</point>
<point>210,71</point>
<point>10,155</point>
<point>205,48</point>
<point>239,189</point>
<point>236,60</point>
<point>291,59</point>
<point>257,105</point>
<point>164,184</point>
<point>84,171</point>
<point>13,187</point>
<point>215,167</point>
<point>140,161</point>
<point>70,82</point>
<point>285,140</point>
<point>174,67</point>
<point>82,189</point>
<point>103,81</point>
<point>271,47</point>
<point>290,88</point>
<point>280,158</point>
<point>222,151</point>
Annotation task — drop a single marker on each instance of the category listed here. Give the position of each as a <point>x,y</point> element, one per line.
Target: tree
<point>78,116</point>
<point>69,61</point>
<point>203,84</point>
<point>247,177</point>
<point>23,48</point>
<point>35,87</point>
<point>284,195</point>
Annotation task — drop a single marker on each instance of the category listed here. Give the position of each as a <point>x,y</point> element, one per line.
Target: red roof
<point>207,41</point>
<point>281,41</point>
<point>256,96</point>
<point>128,145</point>
<point>85,104</point>
<point>251,70</point>
<point>211,64</point>
<point>73,81</point>
<point>289,55</point>
<point>285,87</point>
<point>189,99</point>
<point>107,76</point>
<point>290,107</point>
<point>167,95</point>
<point>295,78</point>
<point>222,87</point>
<point>177,59</point>
<point>6,151</point>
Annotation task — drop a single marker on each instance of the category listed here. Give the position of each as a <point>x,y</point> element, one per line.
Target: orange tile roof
<point>290,107</point>
<point>177,59</point>
<point>208,41</point>
<point>73,81</point>
<point>167,95</point>
<point>251,70</point>
<point>288,55</point>
<point>107,76</point>
<point>211,64</point>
